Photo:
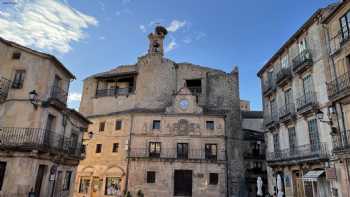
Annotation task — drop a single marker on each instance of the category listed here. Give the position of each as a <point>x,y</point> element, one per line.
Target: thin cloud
<point>171,46</point>
<point>74,96</point>
<point>45,24</point>
<point>176,25</point>
<point>143,28</point>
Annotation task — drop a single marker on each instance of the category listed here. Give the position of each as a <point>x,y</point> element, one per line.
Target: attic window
<point>112,86</point>
<point>16,55</point>
<point>195,86</point>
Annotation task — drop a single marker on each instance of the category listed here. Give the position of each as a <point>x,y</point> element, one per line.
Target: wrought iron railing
<point>113,91</point>
<point>287,109</point>
<point>38,139</point>
<point>318,151</point>
<point>192,154</point>
<point>269,84</point>
<point>307,99</point>
<point>195,90</point>
<point>271,117</point>
<point>59,94</point>
<point>4,88</point>
<point>284,73</point>
<point>341,141</point>
<point>338,85</point>
<point>303,57</point>
<point>337,41</point>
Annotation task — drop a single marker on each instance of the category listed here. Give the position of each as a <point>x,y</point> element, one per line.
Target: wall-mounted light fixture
<point>33,97</point>
<point>320,116</point>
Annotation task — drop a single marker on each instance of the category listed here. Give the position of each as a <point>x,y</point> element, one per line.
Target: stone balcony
<point>299,154</point>
<point>171,154</point>
<point>283,76</point>
<point>302,61</point>
<point>339,87</point>
<point>41,140</point>
<point>341,142</point>
<point>307,102</point>
<point>4,88</point>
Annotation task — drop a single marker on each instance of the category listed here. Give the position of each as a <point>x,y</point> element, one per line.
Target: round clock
<point>184,104</point>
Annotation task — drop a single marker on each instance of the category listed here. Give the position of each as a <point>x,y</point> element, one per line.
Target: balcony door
<point>39,179</point>
<point>292,141</point>
<point>273,104</point>
<point>276,145</point>
<point>314,136</point>
<point>302,45</point>
<point>182,150</point>
<point>50,125</point>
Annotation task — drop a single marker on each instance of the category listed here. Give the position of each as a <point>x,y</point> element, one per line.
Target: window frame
<point>151,177</point>
<point>102,126</point>
<point>182,150</point>
<point>209,151</point>
<point>88,180</point>
<point>115,148</point>
<point>16,55</point>
<point>208,123</point>
<point>153,149</point>
<point>154,123</point>
<point>118,179</point>
<point>213,179</point>
<point>98,148</point>
<point>118,125</point>
<point>345,28</point>
<point>67,180</point>
<point>3,165</point>
<point>18,79</point>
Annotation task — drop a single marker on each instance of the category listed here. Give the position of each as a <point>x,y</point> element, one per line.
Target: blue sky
<point>97,35</point>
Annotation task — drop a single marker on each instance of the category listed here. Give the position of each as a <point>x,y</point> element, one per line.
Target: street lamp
<point>320,116</point>
<point>33,97</point>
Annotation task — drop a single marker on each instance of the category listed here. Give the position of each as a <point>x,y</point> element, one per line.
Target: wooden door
<point>39,179</point>
<point>183,183</point>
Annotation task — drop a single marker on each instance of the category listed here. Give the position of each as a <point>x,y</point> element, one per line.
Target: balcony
<point>339,87</point>
<point>302,61</point>
<point>59,94</point>
<point>341,142</point>
<point>114,91</point>
<point>4,88</point>
<point>287,112</point>
<point>171,154</point>
<point>269,86</point>
<point>45,141</point>
<point>337,42</point>
<point>307,102</point>
<point>299,154</point>
<point>283,76</point>
<point>271,120</point>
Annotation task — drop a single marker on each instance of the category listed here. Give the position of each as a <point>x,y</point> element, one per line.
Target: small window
<point>115,147</point>
<point>84,185</point>
<point>154,149</point>
<point>348,60</point>
<point>98,148</point>
<point>211,151</point>
<point>18,79</point>
<point>16,55</point>
<point>2,173</point>
<point>156,124</point>
<point>195,86</point>
<point>151,177</point>
<point>67,178</point>
<point>118,125</point>
<point>213,178</point>
<point>210,125</point>
<point>102,126</point>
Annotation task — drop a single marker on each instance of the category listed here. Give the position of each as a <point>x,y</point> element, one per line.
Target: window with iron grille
<point>98,148</point>
<point>118,125</point>
<point>115,147</point>
<point>210,125</point>
<point>213,178</point>
<point>151,176</point>
<point>18,79</point>
<point>292,138</point>
<point>314,135</point>
<point>2,173</point>
<point>102,126</point>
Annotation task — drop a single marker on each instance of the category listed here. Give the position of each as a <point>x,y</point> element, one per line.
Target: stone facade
<point>294,91</point>
<point>40,138</point>
<point>337,75</point>
<point>173,123</point>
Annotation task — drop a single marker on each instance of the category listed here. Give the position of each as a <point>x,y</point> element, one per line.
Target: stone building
<point>254,151</point>
<point>40,138</point>
<point>337,28</point>
<point>244,105</point>
<point>294,92</point>
<point>162,129</point>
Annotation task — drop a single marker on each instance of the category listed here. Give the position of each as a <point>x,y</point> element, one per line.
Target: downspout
<point>226,162</point>
<point>128,155</point>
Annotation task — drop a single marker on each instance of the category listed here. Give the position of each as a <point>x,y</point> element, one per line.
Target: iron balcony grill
<point>302,60</point>
<point>287,109</point>
<point>306,100</point>
<point>339,85</point>
<point>113,92</point>
<point>27,139</point>
<point>315,151</point>
<point>341,141</point>
<point>192,154</point>
<point>284,74</point>
<point>59,94</point>
<point>4,88</point>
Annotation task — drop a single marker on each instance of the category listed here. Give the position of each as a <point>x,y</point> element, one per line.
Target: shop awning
<point>312,175</point>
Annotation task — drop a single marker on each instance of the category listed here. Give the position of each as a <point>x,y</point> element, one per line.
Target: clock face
<point>184,104</point>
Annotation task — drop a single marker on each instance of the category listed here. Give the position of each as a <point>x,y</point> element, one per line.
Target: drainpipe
<point>128,155</point>
<point>226,162</point>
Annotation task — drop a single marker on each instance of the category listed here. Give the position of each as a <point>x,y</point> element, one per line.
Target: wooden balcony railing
<point>341,141</point>
<point>59,94</point>
<point>308,99</point>
<point>114,91</point>
<point>315,152</point>
<point>26,139</point>
<point>302,61</point>
<point>338,87</point>
<point>192,154</point>
<point>4,88</point>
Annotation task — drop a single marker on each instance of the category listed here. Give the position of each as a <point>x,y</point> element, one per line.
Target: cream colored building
<point>299,145</point>
<point>337,28</point>
<point>40,138</point>
<point>162,129</point>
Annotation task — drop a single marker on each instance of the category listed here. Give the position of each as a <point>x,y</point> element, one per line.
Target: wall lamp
<point>320,116</point>
<point>33,97</point>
